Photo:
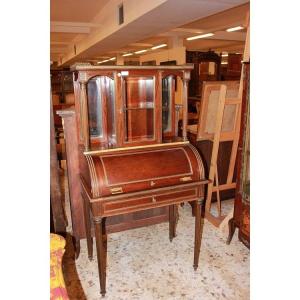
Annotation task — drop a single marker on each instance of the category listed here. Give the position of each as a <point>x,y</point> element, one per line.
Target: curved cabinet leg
<point>231,226</point>
<point>198,204</point>
<point>100,235</point>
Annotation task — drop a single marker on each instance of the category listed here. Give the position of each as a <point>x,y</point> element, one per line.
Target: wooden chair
<point>219,121</point>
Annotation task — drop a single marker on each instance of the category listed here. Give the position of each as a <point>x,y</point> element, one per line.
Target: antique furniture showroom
<point>149,137</point>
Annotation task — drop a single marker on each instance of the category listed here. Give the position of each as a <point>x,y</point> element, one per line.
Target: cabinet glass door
<point>101,101</point>
<point>139,108</point>
<point>167,103</point>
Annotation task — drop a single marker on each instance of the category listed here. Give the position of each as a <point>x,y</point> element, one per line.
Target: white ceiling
<point>91,25</point>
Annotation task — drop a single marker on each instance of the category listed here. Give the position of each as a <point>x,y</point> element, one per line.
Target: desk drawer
<point>151,201</point>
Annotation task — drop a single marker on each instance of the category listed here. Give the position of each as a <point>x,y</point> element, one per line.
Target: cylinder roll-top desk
<point>126,158</point>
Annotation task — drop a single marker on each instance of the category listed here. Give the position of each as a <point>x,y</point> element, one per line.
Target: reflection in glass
<point>100,91</point>
<point>166,103</point>
<point>139,108</point>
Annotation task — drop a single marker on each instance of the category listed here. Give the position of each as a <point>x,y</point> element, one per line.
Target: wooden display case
<point>132,166</point>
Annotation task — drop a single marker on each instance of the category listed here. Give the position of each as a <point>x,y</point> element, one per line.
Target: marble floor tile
<point>144,264</point>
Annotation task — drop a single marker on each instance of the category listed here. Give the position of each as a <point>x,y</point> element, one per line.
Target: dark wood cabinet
<point>126,107</point>
<point>207,67</point>
<point>233,68</point>
<point>241,217</point>
<point>62,86</point>
<point>126,165</point>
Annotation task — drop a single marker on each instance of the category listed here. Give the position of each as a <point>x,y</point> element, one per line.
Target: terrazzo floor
<point>144,264</point>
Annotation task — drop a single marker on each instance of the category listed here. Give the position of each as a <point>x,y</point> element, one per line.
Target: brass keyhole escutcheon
<point>152,183</point>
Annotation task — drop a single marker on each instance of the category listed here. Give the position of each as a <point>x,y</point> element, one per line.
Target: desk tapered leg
<point>231,226</point>
<point>101,252</point>
<point>89,239</point>
<point>172,222</point>
<point>198,231</point>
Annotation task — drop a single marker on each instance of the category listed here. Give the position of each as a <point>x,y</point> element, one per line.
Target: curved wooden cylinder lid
<point>136,170</point>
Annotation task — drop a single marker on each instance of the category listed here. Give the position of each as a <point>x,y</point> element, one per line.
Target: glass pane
<point>139,108</point>
<point>95,107</point>
<point>101,92</point>
<point>109,89</point>
<point>166,103</point>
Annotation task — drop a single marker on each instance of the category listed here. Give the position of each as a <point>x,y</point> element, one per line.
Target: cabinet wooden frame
<point>82,75</point>
<point>172,132</point>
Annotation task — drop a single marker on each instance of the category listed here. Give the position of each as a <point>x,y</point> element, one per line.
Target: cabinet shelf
<point>137,108</point>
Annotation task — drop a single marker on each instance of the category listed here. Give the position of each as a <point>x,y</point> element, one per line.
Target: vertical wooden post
<point>59,218</point>
<point>158,117</point>
<point>186,78</point>
<point>84,113</point>
<point>89,239</point>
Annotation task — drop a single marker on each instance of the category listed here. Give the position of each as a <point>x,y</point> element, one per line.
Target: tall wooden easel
<point>219,121</point>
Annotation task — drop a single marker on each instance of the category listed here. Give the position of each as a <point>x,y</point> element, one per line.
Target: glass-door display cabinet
<point>127,167</point>
<point>128,106</point>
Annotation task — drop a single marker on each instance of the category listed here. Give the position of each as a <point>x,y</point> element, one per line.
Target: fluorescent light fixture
<point>201,36</point>
<point>224,63</point>
<point>224,54</point>
<point>113,58</point>
<point>127,54</point>
<point>234,28</point>
<point>159,46</point>
<point>100,62</point>
<point>141,51</point>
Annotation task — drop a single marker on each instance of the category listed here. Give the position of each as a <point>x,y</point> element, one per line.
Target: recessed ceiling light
<point>159,46</point>
<point>140,51</point>
<point>201,36</point>
<point>127,54</point>
<point>224,54</point>
<point>234,28</point>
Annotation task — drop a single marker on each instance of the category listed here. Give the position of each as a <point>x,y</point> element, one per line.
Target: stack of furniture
<point>123,149</point>
<point>207,67</point>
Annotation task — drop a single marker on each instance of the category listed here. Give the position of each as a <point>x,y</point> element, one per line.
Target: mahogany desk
<point>102,199</point>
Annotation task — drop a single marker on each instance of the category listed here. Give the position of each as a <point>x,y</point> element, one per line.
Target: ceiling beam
<point>140,45</point>
<point>72,27</point>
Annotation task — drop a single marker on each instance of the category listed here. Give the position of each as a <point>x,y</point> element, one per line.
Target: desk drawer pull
<point>117,190</point>
<point>184,179</point>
